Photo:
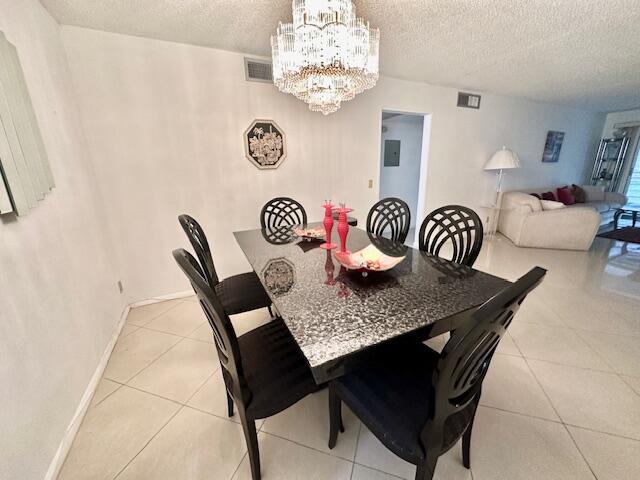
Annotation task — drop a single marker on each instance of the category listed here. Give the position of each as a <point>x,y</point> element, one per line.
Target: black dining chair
<point>390,217</point>
<point>282,212</point>
<point>453,226</point>
<point>264,370</point>
<point>418,402</point>
<point>239,293</point>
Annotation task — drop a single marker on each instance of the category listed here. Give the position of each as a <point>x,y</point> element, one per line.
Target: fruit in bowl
<point>367,259</point>
<point>310,233</point>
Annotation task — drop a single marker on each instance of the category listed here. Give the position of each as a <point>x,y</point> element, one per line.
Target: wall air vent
<point>468,100</point>
<point>258,70</point>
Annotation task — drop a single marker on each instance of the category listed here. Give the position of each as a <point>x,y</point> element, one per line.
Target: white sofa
<point>525,221</point>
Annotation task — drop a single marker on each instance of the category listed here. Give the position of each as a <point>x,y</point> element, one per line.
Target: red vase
<point>328,226</point>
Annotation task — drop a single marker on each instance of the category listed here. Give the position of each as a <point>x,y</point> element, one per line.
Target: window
<point>26,175</point>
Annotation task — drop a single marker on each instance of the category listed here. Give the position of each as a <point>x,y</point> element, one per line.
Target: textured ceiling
<point>583,53</point>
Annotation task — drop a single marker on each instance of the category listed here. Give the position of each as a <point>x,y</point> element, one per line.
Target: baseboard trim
<point>162,298</point>
<point>65,445</point>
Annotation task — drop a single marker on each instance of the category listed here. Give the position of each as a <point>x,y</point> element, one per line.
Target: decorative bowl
<point>369,259</point>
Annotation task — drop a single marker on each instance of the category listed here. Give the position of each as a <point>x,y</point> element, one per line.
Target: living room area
<point>569,216</point>
<point>212,265</point>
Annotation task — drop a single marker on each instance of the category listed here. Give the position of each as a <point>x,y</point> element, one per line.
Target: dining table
<point>341,319</point>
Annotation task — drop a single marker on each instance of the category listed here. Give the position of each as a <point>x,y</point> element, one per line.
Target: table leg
<point>616,217</point>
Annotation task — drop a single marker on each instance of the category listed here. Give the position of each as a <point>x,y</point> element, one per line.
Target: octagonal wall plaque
<point>264,144</point>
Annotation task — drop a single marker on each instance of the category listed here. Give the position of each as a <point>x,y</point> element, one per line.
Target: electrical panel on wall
<point>24,167</point>
<point>468,100</point>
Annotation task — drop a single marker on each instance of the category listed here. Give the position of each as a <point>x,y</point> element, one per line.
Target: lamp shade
<point>503,159</point>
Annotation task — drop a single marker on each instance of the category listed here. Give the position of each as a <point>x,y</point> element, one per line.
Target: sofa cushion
<point>551,205</point>
<point>517,200</point>
<point>565,196</point>
<point>599,207</point>
<point>594,193</point>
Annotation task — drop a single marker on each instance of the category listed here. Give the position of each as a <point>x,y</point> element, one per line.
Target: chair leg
<point>425,470</point>
<point>466,447</point>
<point>466,441</point>
<point>335,416</point>
<point>251,437</point>
<point>229,405</point>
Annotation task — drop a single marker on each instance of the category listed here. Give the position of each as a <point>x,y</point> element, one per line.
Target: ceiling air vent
<point>258,70</point>
<point>468,100</point>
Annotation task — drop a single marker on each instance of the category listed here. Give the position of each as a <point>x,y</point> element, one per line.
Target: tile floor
<point>561,400</point>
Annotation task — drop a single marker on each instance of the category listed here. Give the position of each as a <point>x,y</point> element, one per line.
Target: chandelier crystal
<point>326,56</point>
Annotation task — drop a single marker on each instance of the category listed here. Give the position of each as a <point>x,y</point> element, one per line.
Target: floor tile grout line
<point>613,369</point>
<point>561,422</point>
<point>379,471</point>
<point>156,316</point>
<point>535,417</point>
<point>107,396</point>
<point>146,366</point>
<point>355,451</point>
<point>624,379</point>
<point>580,452</point>
<point>305,446</point>
<point>149,441</point>
<point>565,364</point>
<point>561,419</point>
<point>610,372</point>
<point>582,427</point>
<point>598,355</point>
<point>202,385</point>
<point>239,464</point>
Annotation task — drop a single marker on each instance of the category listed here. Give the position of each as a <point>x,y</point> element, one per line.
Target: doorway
<point>403,146</point>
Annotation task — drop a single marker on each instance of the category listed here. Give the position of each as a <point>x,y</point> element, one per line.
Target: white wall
<point>58,298</point>
<point>403,181</point>
<point>165,123</point>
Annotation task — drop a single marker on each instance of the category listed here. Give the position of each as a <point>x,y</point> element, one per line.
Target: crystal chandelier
<point>326,56</point>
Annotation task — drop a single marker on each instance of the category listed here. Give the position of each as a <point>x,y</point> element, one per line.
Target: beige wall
<point>165,123</point>
<point>58,298</point>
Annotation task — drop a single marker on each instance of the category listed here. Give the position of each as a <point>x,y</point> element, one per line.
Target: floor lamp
<point>503,159</point>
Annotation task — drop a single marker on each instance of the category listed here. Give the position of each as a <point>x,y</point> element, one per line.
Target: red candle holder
<point>328,226</point>
<point>343,227</point>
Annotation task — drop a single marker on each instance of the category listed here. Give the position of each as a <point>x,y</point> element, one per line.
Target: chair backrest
<point>198,240</point>
<point>392,215</point>
<point>464,360</point>
<point>281,212</point>
<point>455,227</point>
<point>224,334</point>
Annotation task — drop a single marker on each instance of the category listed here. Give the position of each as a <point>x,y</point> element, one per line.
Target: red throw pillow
<point>548,196</point>
<point>565,196</point>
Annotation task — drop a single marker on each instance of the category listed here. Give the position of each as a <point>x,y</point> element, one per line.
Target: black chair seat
<point>242,293</point>
<point>393,398</point>
<point>277,373</point>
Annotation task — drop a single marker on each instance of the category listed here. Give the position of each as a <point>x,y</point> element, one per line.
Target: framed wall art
<point>552,146</point>
<point>264,144</point>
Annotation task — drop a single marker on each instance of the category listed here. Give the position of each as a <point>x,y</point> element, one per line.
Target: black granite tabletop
<point>334,313</point>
